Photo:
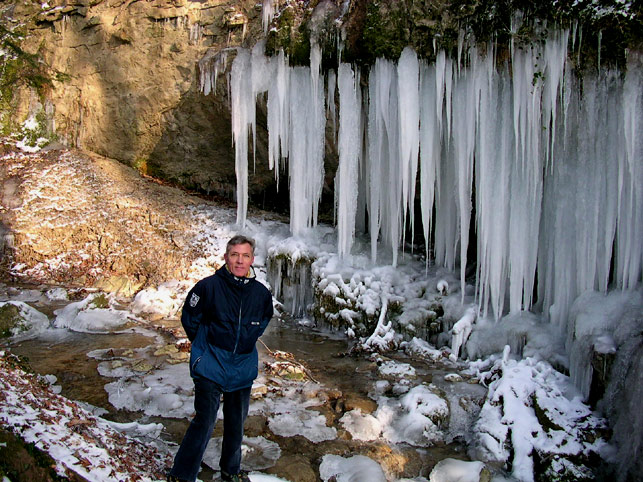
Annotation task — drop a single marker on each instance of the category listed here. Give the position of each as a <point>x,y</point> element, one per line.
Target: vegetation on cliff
<point>371,29</point>
<point>17,68</point>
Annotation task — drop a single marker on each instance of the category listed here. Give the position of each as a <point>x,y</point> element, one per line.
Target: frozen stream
<point>128,375</point>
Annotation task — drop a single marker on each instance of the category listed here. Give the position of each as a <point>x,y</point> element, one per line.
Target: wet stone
<point>453,377</point>
<point>166,350</point>
<point>295,468</point>
<point>142,366</point>
<point>353,402</point>
<point>179,357</point>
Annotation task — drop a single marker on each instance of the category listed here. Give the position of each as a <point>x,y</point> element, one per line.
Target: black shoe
<point>242,476</point>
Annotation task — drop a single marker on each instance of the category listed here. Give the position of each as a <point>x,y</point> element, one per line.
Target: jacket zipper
<point>236,343</point>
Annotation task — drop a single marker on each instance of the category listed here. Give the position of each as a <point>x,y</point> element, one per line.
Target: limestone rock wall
<point>127,81</point>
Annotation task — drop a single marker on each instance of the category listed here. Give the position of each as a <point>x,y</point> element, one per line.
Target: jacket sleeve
<point>269,310</point>
<point>192,312</point>
<point>267,313</point>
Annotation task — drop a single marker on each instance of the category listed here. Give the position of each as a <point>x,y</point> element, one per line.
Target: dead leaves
<point>31,409</point>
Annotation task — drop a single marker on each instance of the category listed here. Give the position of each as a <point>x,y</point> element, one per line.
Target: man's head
<point>239,255</point>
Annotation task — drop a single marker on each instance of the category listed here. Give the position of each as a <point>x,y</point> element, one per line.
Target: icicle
<point>261,74</point>
<point>460,50</point>
<point>516,23</point>
<point>600,41</point>
<point>494,156</point>
<point>629,256</point>
<point>278,113</point>
<point>441,70</point>
<point>209,67</point>
<point>349,152</point>
<point>330,102</point>
<point>386,185</point>
<point>306,149</point>
<point>409,108</point>
<point>463,141</point>
<point>556,56</point>
<point>196,33</point>
<point>430,146</point>
<point>374,159</point>
<point>267,13</point>
<point>243,116</point>
<point>528,67</point>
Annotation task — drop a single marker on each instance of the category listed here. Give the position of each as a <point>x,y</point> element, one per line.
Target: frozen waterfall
<point>545,166</point>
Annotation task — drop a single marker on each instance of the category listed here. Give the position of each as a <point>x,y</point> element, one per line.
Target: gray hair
<point>240,239</point>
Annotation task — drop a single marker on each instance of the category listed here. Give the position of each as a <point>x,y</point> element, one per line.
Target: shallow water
<point>63,353</point>
<point>323,353</point>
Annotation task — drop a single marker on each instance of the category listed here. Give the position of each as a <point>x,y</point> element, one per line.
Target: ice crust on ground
<point>167,392</point>
<point>357,468</point>
<point>257,453</point>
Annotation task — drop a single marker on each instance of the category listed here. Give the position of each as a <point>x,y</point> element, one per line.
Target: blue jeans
<point>207,396</point>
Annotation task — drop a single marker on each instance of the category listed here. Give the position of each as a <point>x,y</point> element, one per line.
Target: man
<point>223,316</point>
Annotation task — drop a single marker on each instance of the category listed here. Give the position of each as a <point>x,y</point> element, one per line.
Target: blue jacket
<point>223,316</point>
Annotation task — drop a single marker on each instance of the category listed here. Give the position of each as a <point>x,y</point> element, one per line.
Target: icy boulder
<point>452,470</point>
<point>91,315</point>
<point>534,421</point>
<point>165,301</point>
<point>20,319</point>
<point>416,418</point>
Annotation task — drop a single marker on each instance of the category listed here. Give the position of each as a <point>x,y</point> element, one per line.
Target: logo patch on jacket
<point>194,299</point>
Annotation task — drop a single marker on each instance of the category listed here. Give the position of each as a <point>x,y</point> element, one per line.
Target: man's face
<point>239,258</point>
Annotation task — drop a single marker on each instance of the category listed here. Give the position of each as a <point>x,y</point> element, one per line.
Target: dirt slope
<point>84,220</point>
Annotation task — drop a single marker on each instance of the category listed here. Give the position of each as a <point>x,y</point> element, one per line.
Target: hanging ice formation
<point>349,144</point>
<point>296,122</point>
<point>267,13</point>
<point>556,163</point>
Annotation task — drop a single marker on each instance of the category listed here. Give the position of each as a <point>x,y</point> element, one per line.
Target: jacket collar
<point>237,280</point>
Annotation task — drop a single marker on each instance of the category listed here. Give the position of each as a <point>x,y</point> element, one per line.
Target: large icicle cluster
<point>296,122</point>
<point>548,163</point>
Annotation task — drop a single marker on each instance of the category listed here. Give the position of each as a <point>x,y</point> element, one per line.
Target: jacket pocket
<point>196,362</point>
<point>250,331</point>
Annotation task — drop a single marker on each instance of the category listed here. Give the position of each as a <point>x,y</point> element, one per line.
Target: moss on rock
<point>10,320</point>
